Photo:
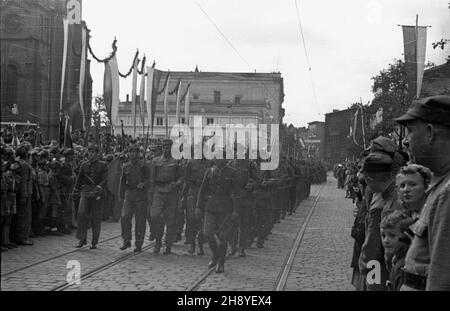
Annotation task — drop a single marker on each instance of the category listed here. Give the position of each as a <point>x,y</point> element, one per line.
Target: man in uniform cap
<point>427,263</point>
<point>133,188</point>
<point>91,181</point>
<point>379,174</point>
<point>165,182</point>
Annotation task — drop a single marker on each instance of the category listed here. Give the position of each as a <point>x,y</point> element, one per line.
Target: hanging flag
<point>377,118</point>
<point>187,104</point>
<point>150,78</point>
<point>67,135</point>
<point>82,75</point>
<point>166,106</point>
<point>414,41</point>
<point>64,61</point>
<point>107,91</point>
<point>133,94</point>
<point>142,102</point>
<point>353,125</point>
<point>177,110</point>
<point>114,69</point>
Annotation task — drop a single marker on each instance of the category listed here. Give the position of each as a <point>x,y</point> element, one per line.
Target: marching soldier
<point>217,199</point>
<point>194,173</point>
<point>246,172</point>
<point>165,180</point>
<point>133,188</point>
<point>91,181</point>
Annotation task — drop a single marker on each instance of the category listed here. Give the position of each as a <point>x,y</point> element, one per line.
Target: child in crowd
<point>396,243</point>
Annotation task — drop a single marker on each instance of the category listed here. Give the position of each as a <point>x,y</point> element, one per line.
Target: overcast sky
<point>347,42</point>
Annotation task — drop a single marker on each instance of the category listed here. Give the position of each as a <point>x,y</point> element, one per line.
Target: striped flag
<point>166,105</point>
<point>177,110</point>
<point>142,101</point>
<point>133,95</point>
<point>414,41</point>
<point>187,104</point>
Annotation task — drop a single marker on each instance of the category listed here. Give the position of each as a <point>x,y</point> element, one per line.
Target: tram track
<point>287,266</point>
<point>54,257</point>
<point>103,267</point>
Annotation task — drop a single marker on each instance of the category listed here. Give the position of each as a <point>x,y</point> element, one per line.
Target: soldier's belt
<point>415,281</point>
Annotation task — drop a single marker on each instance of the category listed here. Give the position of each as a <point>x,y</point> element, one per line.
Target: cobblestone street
<point>321,262</point>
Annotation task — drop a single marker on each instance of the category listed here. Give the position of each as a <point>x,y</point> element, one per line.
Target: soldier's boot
<point>126,244</point>
<point>191,249</point>
<point>232,251</point>
<point>167,250</point>
<point>157,247</point>
<point>200,251</point>
<point>220,267</point>
<point>81,243</point>
<point>214,257</point>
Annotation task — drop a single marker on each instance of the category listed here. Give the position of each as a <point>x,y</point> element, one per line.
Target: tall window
<point>209,121</point>
<point>196,96</point>
<point>11,85</point>
<point>183,120</point>
<point>159,121</point>
<point>237,100</point>
<point>216,97</point>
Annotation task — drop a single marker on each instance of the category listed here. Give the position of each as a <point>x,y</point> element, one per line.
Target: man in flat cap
<point>133,190</point>
<point>379,174</point>
<point>91,181</point>
<point>427,263</point>
<point>165,184</point>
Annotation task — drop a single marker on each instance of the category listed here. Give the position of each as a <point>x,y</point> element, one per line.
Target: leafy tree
<point>99,117</point>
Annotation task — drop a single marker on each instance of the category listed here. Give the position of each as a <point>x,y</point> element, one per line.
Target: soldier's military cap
<point>435,109</point>
<point>68,151</point>
<point>383,144</point>
<point>55,164</point>
<point>93,147</point>
<point>377,162</point>
<point>15,166</point>
<point>109,158</point>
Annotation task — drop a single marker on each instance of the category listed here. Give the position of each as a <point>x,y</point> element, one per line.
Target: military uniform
<point>194,173</point>
<point>23,226</point>
<point>165,179</point>
<point>133,188</point>
<point>261,195</point>
<point>217,195</point>
<point>66,178</point>
<point>246,172</point>
<point>91,180</point>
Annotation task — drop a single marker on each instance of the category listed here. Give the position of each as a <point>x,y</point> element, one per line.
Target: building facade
<point>32,44</point>
<point>336,135</point>
<point>217,97</point>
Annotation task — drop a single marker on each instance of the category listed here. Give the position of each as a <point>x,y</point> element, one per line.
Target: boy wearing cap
<point>395,243</point>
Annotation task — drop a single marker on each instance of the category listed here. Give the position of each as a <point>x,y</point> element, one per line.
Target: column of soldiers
<point>228,204</point>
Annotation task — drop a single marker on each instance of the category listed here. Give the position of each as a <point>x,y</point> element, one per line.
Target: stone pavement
<point>322,262</point>
<point>323,259</point>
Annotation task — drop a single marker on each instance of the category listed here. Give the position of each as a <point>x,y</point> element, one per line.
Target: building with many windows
<point>336,137</point>
<point>218,97</point>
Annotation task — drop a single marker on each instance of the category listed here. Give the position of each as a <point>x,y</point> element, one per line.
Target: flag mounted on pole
<point>166,106</point>
<point>82,74</point>
<point>142,99</point>
<point>177,110</point>
<point>150,78</point>
<point>414,41</point>
<point>133,94</point>
<point>187,107</point>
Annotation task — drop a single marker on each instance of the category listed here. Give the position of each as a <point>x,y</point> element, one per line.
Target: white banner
<point>115,89</point>
<point>133,95</point>
<point>142,101</point>
<point>82,74</point>
<point>150,75</point>
<point>64,61</point>
<point>186,108</point>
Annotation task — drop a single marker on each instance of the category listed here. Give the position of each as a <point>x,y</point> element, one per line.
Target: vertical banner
<point>107,91</point>
<point>150,75</point>
<point>142,102</point>
<point>82,75</point>
<point>414,50</point>
<point>177,110</point>
<point>64,61</point>
<point>166,106</point>
<point>114,68</point>
<point>133,95</point>
<point>187,107</point>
